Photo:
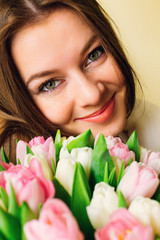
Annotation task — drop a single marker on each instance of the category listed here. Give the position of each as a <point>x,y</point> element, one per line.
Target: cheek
<point>111,74</point>
<point>58,112</point>
<point>118,77</point>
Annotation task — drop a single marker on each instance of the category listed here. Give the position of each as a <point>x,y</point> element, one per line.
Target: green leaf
<point>83,140</point>
<point>26,214</point>
<point>39,208</point>
<point>2,168</point>
<point>61,193</point>
<point>133,145</point>
<point>9,226</point>
<point>58,144</point>
<point>4,197</point>
<point>100,156</point>
<point>121,200</point>
<point>156,195</point>
<point>28,150</point>
<point>13,207</point>
<point>53,166</point>
<point>157,237</point>
<point>130,161</point>
<point>19,162</point>
<point>4,156</point>
<point>2,236</point>
<point>106,177</point>
<point>81,196</point>
<point>112,178</point>
<point>121,172</point>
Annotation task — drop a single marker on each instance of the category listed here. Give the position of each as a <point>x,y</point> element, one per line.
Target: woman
<point>62,66</point>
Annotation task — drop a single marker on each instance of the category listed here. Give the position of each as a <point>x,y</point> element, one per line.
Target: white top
<point>145,119</point>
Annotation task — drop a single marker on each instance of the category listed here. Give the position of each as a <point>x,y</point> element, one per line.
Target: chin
<point>112,129</point>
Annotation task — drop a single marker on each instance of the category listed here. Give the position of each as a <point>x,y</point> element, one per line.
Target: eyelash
<point>52,80</point>
<point>99,50</point>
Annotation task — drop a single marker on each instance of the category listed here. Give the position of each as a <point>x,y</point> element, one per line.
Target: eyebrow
<point>49,72</point>
<point>89,44</point>
<point>40,75</point>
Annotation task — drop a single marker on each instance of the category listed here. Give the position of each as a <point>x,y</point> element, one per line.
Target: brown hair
<point>20,117</point>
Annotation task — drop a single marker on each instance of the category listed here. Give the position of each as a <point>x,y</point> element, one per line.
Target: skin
<point>59,50</point>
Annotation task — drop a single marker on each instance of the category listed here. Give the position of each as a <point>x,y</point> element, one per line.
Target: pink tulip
<point>124,226</point>
<point>152,159</point>
<point>138,181</point>
<point>29,184</point>
<point>6,166</point>
<point>55,222</point>
<point>37,145</point>
<point>110,141</point>
<point>121,151</point>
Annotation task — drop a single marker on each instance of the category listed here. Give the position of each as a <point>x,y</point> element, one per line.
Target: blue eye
<point>49,85</point>
<point>94,55</point>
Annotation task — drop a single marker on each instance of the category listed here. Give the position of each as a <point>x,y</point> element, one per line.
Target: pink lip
<point>102,114</point>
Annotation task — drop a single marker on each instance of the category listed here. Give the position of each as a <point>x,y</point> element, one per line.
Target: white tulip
<point>45,167</point>
<point>147,211</point>
<point>143,152</point>
<point>103,203</point>
<point>66,141</point>
<point>64,151</point>
<point>66,165</point>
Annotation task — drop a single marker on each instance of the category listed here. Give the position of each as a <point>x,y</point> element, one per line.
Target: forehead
<point>59,20</point>
<point>38,46</point>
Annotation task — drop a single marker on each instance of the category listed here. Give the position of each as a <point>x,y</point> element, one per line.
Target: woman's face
<point>73,81</point>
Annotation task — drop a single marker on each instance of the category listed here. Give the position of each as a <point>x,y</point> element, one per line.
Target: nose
<point>87,89</point>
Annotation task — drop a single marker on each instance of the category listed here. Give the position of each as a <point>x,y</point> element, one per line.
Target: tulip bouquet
<point>80,188</point>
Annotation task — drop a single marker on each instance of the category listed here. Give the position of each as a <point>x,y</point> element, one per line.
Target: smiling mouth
<point>102,114</point>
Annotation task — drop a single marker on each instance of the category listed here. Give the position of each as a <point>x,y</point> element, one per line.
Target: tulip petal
<point>21,151</point>
<point>130,161</point>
